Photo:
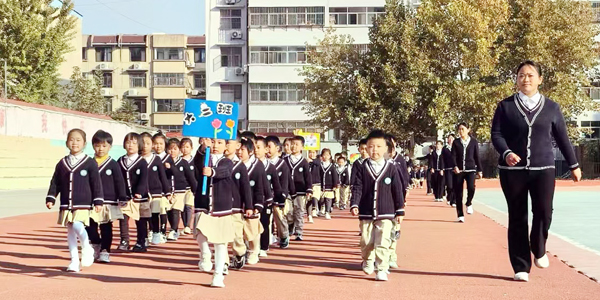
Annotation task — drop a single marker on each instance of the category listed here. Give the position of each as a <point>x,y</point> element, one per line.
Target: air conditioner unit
<point>144,116</point>
<point>136,66</point>
<point>189,91</point>
<point>104,66</point>
<point>236,35</point>
<point>230,2</point>
<point>239,71</point>
<point>190,64</point>
<point>202,91</point>
<point>105,92</point>
<point>132,93</point>
<point>195,93</point>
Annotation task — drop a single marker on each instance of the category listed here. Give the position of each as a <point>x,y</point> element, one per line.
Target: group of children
<point>255,187</point>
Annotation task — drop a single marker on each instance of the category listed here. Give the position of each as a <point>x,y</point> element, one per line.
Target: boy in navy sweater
<point>378,201</point>
<point>300,170</point>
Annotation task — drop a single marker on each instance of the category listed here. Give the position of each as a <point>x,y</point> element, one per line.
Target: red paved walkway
<point>440,259</point>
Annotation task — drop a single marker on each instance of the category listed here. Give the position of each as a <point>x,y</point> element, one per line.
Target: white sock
<point>203,245</point>
<point>72,242</point>
<point>81,234</point>
<point>221,257</point>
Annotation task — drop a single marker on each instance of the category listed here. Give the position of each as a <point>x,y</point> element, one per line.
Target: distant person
<point>184,182</point>
<point>187,146</point>
<point>329,182</point>
<point>523,129</point>
<point>448,173</point>
<point>343,192</point>
<point>437,166</point>
<point>312,205</point>
<point>465,153</point>
<point>300,171</point>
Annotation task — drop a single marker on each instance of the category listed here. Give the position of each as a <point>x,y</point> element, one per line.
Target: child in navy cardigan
<point>182,181</point>
<point>159,145</point>
<point>300,171</point>
<point>77,180</point>
<point>329,182</point>
<point>282,201</point>
<point>271,186</point>
<point>312,205</point>
<point>378,201</point>
<point>186,146</point>
<point>343,172</point>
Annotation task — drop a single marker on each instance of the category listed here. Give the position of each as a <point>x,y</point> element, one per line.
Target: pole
<point>5,91</point>
<point>206,162</point>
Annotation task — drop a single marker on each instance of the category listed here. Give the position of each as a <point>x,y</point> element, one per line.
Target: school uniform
<point>448,174</point>
<point>159,186</point>
<point>113,187</point>
<point>343,192</point>
<point>356,168</point>
<point>329,182</point>
<point>466,155</point>
<point>437,164</point>
<point>261,197</point>
<point>378,195</point>
<point>428,177</point>
<point>77,180</point>
<point>183,182</point>
<point>134,169</point>
<point>272,187</point>
<point>317,193</point>
<point>421,175</point>
<point>413,178</point>
<point>242,201</point>
<point>300,171</point>
<point>282,201</point>
<point>526,126</point>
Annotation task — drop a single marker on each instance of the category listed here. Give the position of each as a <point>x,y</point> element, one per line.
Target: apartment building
<point>156,72</point>
<point>259,46</point>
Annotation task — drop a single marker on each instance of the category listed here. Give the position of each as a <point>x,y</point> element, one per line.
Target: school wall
<point>32,140</point>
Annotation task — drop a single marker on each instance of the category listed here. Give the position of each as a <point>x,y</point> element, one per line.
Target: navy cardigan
<point>79,185</point>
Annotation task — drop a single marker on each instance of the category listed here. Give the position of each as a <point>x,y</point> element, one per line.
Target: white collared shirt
<point>74,159</point>
<point>250,162</point>
<point>274,160</point>
<point>296,158</point>
<point>149,157</point>
<point>131,159</point>
<point>465,142</point>
<point>162,155</point>
<point>439,152</point>
<point>378,165</point>
<point>265,162</point>
<point>215,158</point>
<point>532,102</point>
<point>326,164</point>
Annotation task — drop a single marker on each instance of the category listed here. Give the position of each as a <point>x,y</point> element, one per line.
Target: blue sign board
<point>210,119</point>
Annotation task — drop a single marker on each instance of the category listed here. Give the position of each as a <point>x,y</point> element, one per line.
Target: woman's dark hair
<point>134,136</point>
<point>533,64</point>
<point>77,130</point>
<point>186,140</point>
<point>275,140</point>
<point>159,135</point>
<point>102,136</point>
<point>172,142</point>
<point>462,124</point>
<point>246,142</point>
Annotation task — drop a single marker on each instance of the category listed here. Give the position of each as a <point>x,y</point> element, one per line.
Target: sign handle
<point>205,178</point>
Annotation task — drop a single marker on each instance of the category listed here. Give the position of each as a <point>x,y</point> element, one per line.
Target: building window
<point>200,81</point>
<point>282,127</point>
<point>278,55</point>
<point>231,56</point>
<point>168,105</point>
<point>231,93</point>
<point>104,54</point>
<point>593,92</point>
<point>594,126</point>
<point>170,128</point>
<point>137,53</point>
<point>286,16</point>
<point>276,92</point>
<point>354,15</point>
<point>107,79</point>
<point>108,106</point>
<point>231,19</point>
<point>137,80</point>
<point>168,53</point>
<point>169,79</point>
<point>84,53</point>
<point>140,104</point>
<point>199,55</point>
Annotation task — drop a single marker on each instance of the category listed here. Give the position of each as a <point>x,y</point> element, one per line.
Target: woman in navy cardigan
<point>522,131</point>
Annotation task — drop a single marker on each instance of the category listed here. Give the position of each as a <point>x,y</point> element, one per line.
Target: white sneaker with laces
<point>252,259</point>
<point>470,209</point>
<point>163,238</point>
<point>171,236</point>
<point>522,276</point>
<point>393,265</point>
<point>205,266</point>
<point>156,239</point>
<point>461,219</point>
<point>310,219</point>
<point>218,280</point>
<point>314,213</point>
<point>542,262</point>
<point>104,257</point>
<point>87,256</point>
<point>73,266</point>
<point>327,216</point>
<point>187,230</point>
<point>262,253</point>
<point>381,276</point>
<point>368,267</point>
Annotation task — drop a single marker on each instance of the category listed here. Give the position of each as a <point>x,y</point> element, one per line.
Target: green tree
<point>83,93</point>
<point>33,38</point>
<point>127,112</point>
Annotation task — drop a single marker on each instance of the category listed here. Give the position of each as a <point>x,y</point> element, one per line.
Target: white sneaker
<point>87,256</point>
<point>163,238</point>
<point>522,276</point>
<point>147,243</point>
<point>542,262</point>
<point>314,213</point>
<point>187,230</point>
<point>461,219</point>
<point>205,266</point>
<point>470,209</point>
<point>368,267</point>
<point>104,257</point>
<point>252,260</point>
<point>322,211</point>
<point>393,265</point>
<point>262,253</point>
<point>171,236</point>
<point>327,216</point>
<point>381,276</point>
<point>156,239</point>
<point>150,234</point>
<point>73,266</point>
<point>218,280</point>
<point>453,205</point>
<point>448,202</point>
<point>310,219</point>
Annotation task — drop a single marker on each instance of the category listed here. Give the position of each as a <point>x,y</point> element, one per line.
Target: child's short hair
<point>186,140</point>
<point>337,155</point>
<point>462,124</point>
<point>246,142</point>
<point>159,135</point>
<point>101,137</point>
<point>275,140</point>
<point>249,135</point>
<point>362,142</point>
<point>298,138</point>
<point>376,134</point>
<point>452,135</point>
<point>173,142</point>
<point>145,135</point>
<point>78,131</point>
<point>342,158</point>
<point>261,139</point>
<point>440,142</point>
<point>134,136</point>
<point>287,140</point>
<point>325,150</point>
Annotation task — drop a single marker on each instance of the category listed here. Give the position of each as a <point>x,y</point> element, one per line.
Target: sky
<point>141,16</point>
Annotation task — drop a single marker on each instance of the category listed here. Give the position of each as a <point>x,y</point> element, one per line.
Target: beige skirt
<point>189,198</point>
<point>252,229</point>
<point>108,214</point>
<point>178,202</point>
<point>66,217</point>
<point>329,194</point>
<point>132,210</point>
<point>238,225</point>
<point>217,230</point>
<point>159,205</point>
<point>316,191</point>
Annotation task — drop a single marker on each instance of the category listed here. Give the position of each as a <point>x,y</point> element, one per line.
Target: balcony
<point>596,13</point>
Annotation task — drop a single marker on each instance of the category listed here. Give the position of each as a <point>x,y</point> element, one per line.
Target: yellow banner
<point>312,141</point>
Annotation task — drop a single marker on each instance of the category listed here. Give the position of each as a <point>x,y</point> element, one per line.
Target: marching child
<point>330,181</point>
<point>282,201</point>
<point>183,182</point>
<point>421,175</point>
<point>77,180</point>
<point>343,172</point>
<point>135,174</point>
<point>300,171</point>
<point>161,203</point>
<point>260,196</point>
<point>113,187</point>
<point>377,183</point>
<point>213,223</point>
<point>186,146</point>
<point>287,147</point>
<point>315,171</point>
<point>271,187</point>
<point>358,164</point>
